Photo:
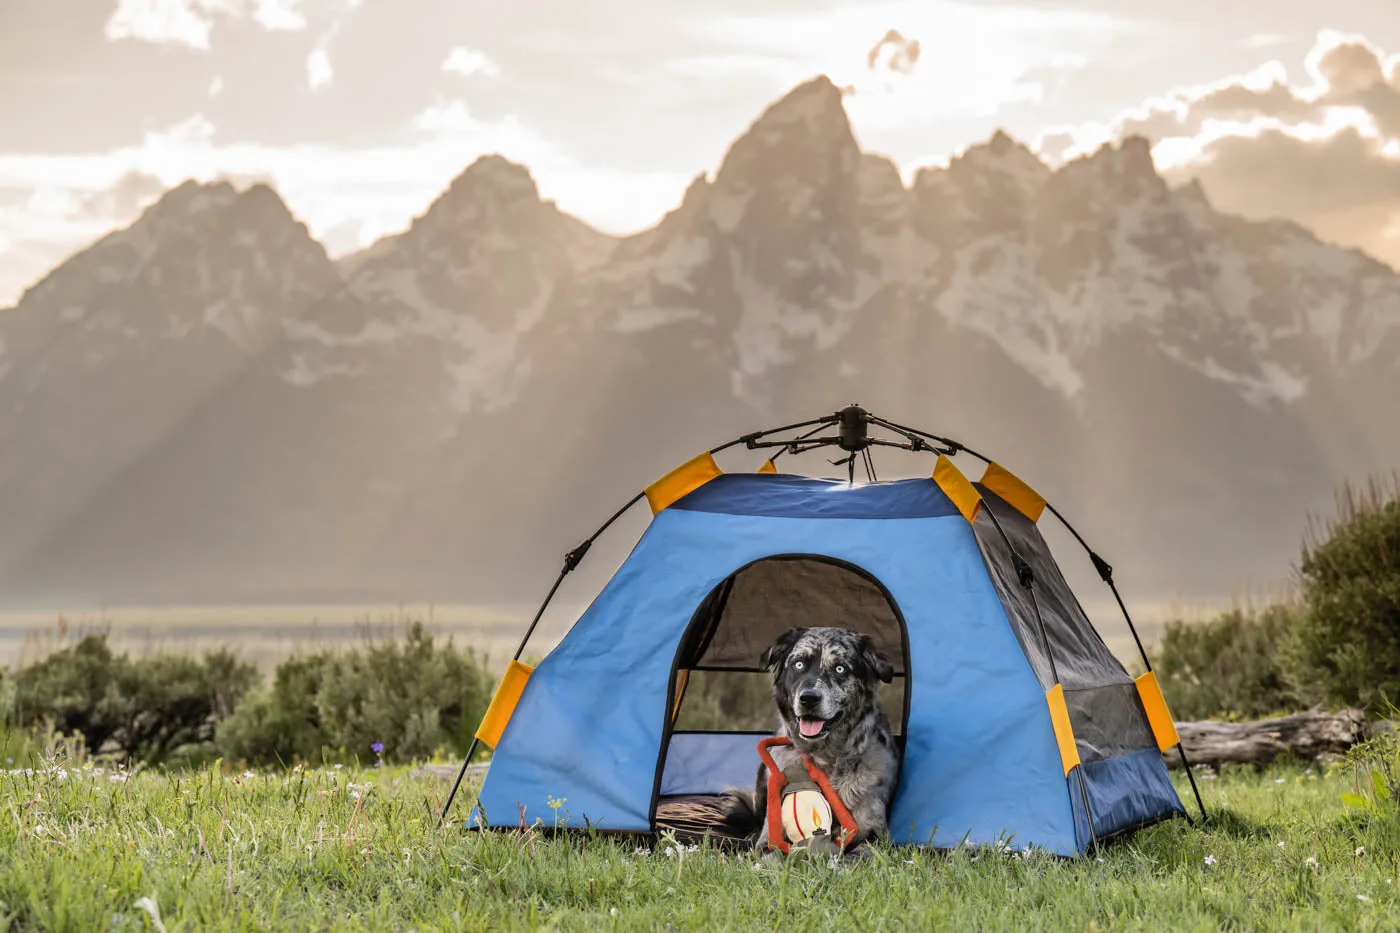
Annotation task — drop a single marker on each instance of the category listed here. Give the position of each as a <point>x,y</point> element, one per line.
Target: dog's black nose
<point>809,698</point>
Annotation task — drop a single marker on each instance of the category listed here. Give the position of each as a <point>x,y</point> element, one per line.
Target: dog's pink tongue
<point>811,727</point>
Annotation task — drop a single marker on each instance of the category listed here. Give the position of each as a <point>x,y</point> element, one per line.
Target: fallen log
<point>1308,735</point>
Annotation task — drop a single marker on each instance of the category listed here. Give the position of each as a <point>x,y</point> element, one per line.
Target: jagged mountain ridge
<point>442,414</point>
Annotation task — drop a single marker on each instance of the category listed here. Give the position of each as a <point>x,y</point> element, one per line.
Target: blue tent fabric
<point>980,763</point>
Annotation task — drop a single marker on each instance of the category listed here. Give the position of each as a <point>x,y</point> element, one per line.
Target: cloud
<point>470,63</point>
<point>1323,150</point>
<point>893,53</point>
<point>190,22</point>
<point>216,87</point>
<point>319,73</point>
<point>352,195</point>
<point>973,59</point>
<point>125,197</point>
<point>49,222</point>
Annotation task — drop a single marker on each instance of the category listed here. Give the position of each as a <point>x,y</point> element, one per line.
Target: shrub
<point>1347,651</point>
<point>413,695</point>
<point>1228,666</point>
<point>154,709</point>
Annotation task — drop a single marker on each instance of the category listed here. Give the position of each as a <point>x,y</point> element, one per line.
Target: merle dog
<point>824,683</point>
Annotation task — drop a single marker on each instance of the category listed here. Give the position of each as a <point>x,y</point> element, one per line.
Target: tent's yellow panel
<point>684,479</point>
<point>1018,495</point>
<point>957,487</point>
<point>503,702</point>
<point>1064,735</point>
<point>768,467</point>
<point>1158,716</point>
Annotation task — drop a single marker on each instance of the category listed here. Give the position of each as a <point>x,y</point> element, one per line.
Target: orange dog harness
<point>777,780</point>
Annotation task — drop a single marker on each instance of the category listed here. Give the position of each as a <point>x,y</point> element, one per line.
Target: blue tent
<point>1017,723</point>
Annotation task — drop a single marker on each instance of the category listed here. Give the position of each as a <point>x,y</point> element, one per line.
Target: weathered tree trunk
<point>1304,735</point>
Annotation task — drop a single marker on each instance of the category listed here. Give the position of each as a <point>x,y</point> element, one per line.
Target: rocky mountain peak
<point>803,141</point>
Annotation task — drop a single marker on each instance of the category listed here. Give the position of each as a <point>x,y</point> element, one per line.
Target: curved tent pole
<point>1105,571</point>
<point>571,561</point>
<point>575,557</point>
<point>1106,574</point>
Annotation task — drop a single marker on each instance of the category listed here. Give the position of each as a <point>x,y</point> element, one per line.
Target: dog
<point>824,687</point>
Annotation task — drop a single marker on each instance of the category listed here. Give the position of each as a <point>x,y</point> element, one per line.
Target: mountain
<point>205,407</point>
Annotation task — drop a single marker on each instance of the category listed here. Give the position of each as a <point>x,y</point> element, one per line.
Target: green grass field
<point>83,848</point>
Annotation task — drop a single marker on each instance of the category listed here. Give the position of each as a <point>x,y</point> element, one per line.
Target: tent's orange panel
<point>957,487</point>
<point>684,479</point>
<point>768,467</point>
<point>1017,494</point>
<point>1158,716</point>
<point>682,679</point>
<point>1064,735</point>
<point>503,702</point>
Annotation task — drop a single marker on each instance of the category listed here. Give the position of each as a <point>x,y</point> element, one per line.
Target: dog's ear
<point>774,656</point>
<point>875,660</point>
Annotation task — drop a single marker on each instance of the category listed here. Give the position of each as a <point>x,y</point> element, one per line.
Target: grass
<point>88,848</point>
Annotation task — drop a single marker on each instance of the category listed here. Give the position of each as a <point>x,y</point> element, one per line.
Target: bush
<point>414,696</point>
<point>1229,666</point>
<point>1347,651</point>
<point>154,709</point>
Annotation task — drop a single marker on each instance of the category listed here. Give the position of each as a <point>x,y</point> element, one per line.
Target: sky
<point>361,111</point>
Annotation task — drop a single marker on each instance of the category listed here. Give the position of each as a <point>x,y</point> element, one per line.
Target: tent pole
<point>571,561</point>
<point>1106,574</point>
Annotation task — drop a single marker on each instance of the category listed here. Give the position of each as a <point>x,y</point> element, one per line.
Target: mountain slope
<point>443,414</point>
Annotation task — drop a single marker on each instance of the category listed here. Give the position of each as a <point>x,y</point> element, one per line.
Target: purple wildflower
<point>377,748</point>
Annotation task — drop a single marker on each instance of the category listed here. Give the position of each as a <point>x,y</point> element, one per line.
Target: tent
<point>1018,725</point>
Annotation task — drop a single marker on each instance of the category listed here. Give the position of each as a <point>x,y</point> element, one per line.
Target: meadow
<point>88,847</point>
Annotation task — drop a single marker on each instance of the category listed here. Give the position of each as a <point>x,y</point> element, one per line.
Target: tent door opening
<point>721,699</point>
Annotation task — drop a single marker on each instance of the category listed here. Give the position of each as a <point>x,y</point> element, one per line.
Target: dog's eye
<point>840,668</point>
<point>799,665</point>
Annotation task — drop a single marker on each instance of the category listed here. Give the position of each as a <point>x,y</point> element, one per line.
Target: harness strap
<point>777,780</point>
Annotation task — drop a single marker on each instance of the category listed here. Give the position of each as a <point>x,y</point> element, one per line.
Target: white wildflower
<point>1311,861</point>
<point>1281,844</point>
<point>152,909</point>
<point>249,775</point>
<point>1360,851</point>
<point>1211,860</point>
<point>1363,898</point>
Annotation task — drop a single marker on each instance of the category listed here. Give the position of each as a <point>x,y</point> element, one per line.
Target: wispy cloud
<point>971,58</point>
<point>1323,150</point>
<point>470,63</point>
<point>190,22</point>
<point>371,190</point>
<point>319,73</point>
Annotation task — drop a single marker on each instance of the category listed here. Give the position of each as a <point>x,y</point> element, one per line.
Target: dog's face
<point>824,679</point>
